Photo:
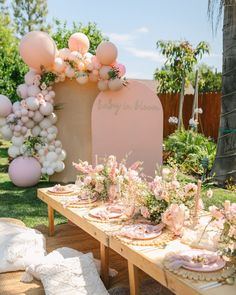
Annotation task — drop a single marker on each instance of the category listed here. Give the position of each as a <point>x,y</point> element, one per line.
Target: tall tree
<point>30,15</point>
<point>224,167</point>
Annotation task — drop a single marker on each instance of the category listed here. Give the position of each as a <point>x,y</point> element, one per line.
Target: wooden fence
<point>208,121</point>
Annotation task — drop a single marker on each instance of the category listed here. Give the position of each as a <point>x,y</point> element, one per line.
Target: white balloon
<point>24,119</point>
<point>45,124</point>
<point>60,166</point>
<point>2,122</point>
<point>18,113</point>
<point>44,170</point>
<point>6,106</point>
<point>33,90</point>
<point>29,77</point>
<point>38,117</point>
<point>46,164</point>
<point>22,91</point>
<point>30,114</point>
<point>52,93</point>
<point>51,137</point>
<point>41,152</point>
<point>58,143</point>
<point>13,151</point>
<point>24,130</point>
<point>69,72</point>
<point>50,171</point>
<point>6,132</point>
<point>52,130</point>
<point>82,79</point>
<point>17,128</point>
<point>51,148</point>
<point>17,141</point>
<point>36,131</point>
<point>24,112</point>
<point>54,165</point>
<point>58,150</point>
<point>46,109</point>
<point>64,53</point>
<point>62,156</point>
<point>16,106</point>
<point>44,92</point>
<point>32,103</point>
<point>43,133</point>
<point>30,124</point>
<point>51,156</point>
<point>53,118</point>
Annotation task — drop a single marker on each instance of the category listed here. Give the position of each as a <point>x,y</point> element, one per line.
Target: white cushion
<point>19,247</point>
<point>72,276</point>
<point>54,257</point>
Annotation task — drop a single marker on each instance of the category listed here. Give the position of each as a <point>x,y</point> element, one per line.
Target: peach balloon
<point>79,42</point>
<point>104,72</point>
<point>106,53</point>
<point>38,49</point>
<point>25,171</point>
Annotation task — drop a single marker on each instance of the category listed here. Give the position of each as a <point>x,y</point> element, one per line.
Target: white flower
<point>193,123</point>
<point>210,193</point>
<point>173,120</point>
<point>198,111</point>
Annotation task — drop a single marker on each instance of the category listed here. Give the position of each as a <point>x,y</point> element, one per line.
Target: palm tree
<point>224,167</point>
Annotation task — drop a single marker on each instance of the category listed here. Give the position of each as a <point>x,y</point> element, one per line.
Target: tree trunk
<point>224,167</point>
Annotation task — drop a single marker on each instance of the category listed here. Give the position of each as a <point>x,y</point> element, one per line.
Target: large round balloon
<point>5,106</point>
<point>24,171</point>
<point>38,49</point>
<point>106,53</point>
<point>79,42</point>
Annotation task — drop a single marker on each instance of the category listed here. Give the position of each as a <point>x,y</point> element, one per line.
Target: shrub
<point>187,149</point>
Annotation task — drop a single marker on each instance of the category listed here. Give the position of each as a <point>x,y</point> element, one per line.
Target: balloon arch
<point>30,122</point>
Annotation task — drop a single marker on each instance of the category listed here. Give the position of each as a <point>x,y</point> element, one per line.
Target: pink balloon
<point>121,69</point>
<point>106,53</point>
<point>5,106</point>
<point>79,42</point>
<point>25,171</point>
<point>38,49</point>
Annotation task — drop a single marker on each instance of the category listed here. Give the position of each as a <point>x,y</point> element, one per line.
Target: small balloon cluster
<point>34,115</point>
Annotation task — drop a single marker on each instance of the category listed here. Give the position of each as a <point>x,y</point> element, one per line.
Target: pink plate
<point>217,265</point>
<point>66,191</point>
<point>87,200</point>
<point>103,213</point>
<point>136,232</point>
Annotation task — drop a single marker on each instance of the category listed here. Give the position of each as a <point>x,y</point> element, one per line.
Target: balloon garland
<point>30,124</point>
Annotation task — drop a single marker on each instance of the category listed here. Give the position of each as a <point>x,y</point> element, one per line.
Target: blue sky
<point>135,26</point>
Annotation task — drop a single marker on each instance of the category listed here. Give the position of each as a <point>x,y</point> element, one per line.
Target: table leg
<point>104,255</point>
<point>133,279</point>
<point>50,221</point>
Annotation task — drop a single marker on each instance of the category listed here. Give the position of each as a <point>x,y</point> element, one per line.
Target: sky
<point>134,26</point>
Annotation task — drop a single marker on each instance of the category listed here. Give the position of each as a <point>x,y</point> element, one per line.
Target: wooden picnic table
<point>147,258</point>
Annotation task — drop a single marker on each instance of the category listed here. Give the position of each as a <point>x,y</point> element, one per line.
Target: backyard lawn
<point>23,203</point>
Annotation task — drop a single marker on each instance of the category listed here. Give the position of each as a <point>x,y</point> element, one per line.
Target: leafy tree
<point>209,79</point>
<point>61,34</point>
<point>224,167</point>
<point>12,68</point>
<point>4,7</point>
<point>29,15</point>
<point>181,57</point>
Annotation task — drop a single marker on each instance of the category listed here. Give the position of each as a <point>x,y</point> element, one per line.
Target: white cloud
<point>148,54</point>
<point>120,38</point>
<point>143,30</point>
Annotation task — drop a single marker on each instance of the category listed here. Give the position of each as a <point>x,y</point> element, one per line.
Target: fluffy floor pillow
<point>74,276</point>
<point>19,247</point>
<point>54,257</point>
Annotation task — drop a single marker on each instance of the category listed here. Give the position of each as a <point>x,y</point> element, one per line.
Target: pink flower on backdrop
<point>135,165</point>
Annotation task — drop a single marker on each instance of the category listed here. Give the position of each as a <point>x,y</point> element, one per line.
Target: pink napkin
<point>179,260</point>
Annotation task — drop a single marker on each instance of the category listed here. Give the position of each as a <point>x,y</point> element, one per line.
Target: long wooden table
<point>147,258</point>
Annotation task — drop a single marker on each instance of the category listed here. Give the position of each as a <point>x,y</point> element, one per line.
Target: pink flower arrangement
<point>110,179</point>
<point>225,220</point>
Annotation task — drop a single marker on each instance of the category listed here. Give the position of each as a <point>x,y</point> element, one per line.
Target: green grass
<point>21,203</point>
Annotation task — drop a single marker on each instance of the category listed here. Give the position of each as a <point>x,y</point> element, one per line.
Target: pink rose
<point>145,212</point>
<point>174,217</point>
<point>215,212</point>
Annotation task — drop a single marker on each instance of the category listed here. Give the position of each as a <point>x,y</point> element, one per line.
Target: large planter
<point>25,171</point>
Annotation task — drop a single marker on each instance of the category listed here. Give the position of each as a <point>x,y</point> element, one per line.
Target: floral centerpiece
<point>225,220</point>
<point>169,201</point>
<point>110,180</point>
